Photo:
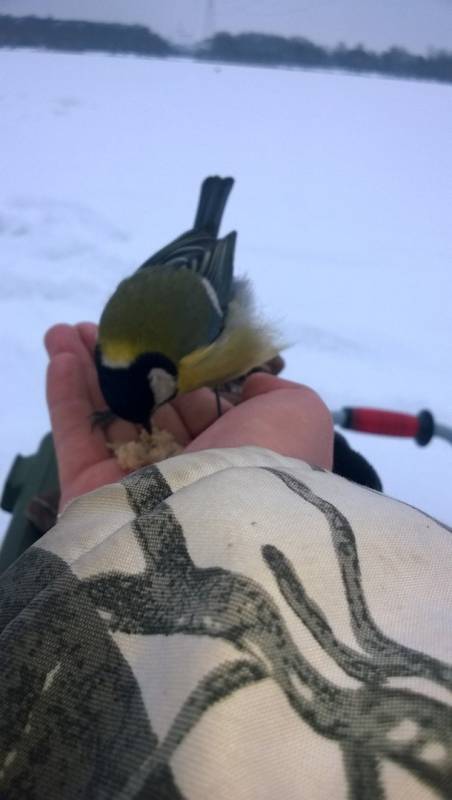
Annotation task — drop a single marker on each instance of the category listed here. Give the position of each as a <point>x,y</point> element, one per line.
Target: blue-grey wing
<point>189,246</point>
<point>212,259</point>
<point>199,249</point>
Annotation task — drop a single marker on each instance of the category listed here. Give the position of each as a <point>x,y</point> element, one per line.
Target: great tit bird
<point>181,321</point>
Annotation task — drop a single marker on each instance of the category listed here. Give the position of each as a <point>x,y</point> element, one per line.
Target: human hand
<point>85,460</point>
<point>274,413</point>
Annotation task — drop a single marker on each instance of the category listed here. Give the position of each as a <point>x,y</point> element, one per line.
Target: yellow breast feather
<point>119,353</point>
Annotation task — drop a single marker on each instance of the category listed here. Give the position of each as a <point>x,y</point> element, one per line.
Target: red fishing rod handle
<point>389,423</point>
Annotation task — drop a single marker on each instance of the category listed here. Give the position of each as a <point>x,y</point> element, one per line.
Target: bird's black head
<point>134,391</point>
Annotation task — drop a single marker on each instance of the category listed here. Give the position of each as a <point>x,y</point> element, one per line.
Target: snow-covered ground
<point>342,203</point>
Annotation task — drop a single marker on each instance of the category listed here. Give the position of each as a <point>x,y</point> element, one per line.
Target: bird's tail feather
<point>212,201</point>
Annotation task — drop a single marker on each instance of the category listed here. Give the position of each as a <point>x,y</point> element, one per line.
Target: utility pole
<point>209,19</point>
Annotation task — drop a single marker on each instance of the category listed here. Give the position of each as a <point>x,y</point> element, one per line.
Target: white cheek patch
<point>163,385</point>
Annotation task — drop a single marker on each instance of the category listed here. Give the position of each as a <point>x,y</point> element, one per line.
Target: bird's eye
<point>163,385</point>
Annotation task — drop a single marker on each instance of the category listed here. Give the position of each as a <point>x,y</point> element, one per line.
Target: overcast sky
<point>414,24</point>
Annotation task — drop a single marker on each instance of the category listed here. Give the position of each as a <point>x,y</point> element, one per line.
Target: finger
<point>80,340</point>
<point>64,338</point>
<point>189,414</point>
<point>292,421</point>
<point>198,410</point>
<point>313,418</point>
<point>262,382</point>
<point>167,418</point>
<point>58,339</point>
<point>61,336</point>
<point>88,335</point>
<point>77,446</point>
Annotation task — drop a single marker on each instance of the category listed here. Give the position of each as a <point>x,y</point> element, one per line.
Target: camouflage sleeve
<point>229,624</point>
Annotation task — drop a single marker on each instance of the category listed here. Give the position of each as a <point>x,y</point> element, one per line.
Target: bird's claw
<point>102,419</point>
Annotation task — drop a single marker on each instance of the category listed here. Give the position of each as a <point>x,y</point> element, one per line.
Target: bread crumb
<point>147,449</point>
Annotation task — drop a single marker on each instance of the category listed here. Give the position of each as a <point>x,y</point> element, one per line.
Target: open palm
<point>274,413</point>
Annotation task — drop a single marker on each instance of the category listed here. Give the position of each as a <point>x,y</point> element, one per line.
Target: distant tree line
<point>244,48</point>
<point>74,36</point>
<point>257,48</point>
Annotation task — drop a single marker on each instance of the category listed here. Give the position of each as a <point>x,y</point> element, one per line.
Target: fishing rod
<point>421,427</point>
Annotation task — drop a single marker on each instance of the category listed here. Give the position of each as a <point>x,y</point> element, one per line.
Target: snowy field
<point>342,203</point>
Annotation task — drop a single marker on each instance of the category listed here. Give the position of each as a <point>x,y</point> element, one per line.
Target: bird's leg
<point>217,395</point>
